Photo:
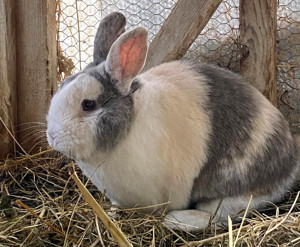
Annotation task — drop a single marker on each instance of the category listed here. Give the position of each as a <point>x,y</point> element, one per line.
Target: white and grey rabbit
<point>191,135</point>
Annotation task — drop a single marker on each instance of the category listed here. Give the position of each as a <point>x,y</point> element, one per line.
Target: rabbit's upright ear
<point>127,57</point>
<point>110,28</point>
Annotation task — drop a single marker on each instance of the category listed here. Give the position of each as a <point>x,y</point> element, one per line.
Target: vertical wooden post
<point>8,82</point>
<point>36,62</point>
<point>258,33</point>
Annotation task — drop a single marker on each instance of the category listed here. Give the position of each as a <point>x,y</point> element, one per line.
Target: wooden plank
<point>8,83</point>
<point>180,29</point>
<point>258,33</point>
<point>36,62</point>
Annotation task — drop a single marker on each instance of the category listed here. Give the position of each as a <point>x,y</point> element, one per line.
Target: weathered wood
<point>180,29</point>
<point>36,62</point>
<point>258,33</point>
<point>8,83</point>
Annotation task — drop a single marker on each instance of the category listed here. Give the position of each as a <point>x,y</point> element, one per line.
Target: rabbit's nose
<point>52,131</point>
<point>50,136</point>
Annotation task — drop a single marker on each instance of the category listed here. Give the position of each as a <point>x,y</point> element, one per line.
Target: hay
<point>41,205</point>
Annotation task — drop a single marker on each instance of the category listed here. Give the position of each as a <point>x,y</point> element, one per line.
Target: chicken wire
<point>218,43</point>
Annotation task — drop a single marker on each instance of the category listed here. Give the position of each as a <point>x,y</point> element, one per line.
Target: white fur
<point>68,132</point>
<point>135,172</point>
<point>188,220</point>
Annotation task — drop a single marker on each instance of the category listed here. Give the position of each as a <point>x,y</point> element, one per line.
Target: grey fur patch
<point>277,167</point>
<point>110,28</point>
<point>116,111</point>
<point>232,108</point>
<point>135,85</point>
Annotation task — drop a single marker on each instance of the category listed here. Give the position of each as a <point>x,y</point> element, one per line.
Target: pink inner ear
<point>132,56</point>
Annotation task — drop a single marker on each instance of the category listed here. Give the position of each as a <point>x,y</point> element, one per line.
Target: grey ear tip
<point>117,15</point>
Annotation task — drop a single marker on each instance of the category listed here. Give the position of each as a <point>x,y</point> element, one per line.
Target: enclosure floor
<point>41,206</point>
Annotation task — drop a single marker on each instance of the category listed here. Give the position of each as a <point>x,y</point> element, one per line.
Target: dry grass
<point>41,205</point>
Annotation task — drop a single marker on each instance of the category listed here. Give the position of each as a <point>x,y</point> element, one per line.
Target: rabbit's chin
<point>74,155</point>
<point>71,151</point>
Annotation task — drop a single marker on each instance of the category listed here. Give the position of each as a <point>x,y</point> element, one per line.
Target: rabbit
<point>197,136</point>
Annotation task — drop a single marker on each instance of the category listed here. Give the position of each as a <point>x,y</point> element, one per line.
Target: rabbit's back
<point>251,150</point>
<point>222,130</point>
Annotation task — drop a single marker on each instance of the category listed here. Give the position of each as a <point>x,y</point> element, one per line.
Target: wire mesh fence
<point>218,43</point>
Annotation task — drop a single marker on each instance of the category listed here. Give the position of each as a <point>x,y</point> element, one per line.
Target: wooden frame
<point>179,31</point>
<point>29,67</point>
<point>258,22</point>
<point>8,78</point>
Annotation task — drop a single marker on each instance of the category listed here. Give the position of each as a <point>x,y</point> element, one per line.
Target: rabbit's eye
<point>88,105</point>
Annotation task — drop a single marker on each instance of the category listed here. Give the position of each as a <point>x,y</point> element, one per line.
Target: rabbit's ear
<point>127,57</point>
<point>110,28</point>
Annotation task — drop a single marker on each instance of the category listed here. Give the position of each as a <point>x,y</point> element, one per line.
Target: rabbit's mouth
<point>56,144</point>
<point>68,146</point>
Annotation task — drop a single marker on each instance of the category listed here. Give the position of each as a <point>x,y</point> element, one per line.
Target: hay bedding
<point>40,205</point>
